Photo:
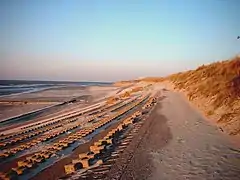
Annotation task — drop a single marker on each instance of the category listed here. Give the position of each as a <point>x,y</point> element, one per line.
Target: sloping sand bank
<point>178,143</point>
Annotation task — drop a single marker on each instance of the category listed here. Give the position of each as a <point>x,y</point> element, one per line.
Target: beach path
<point>176,142</point>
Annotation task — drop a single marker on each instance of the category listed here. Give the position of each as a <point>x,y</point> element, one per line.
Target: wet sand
<point>9,109</point>
<point>86,96</point>
<point>176,142</point>
<point>16,105</point>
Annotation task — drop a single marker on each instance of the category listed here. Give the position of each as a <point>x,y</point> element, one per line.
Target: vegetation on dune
<point>147,79</point>
<point>152,79</point>
<point>125,83</point>
<point>220,80</point>
<point>218,85</point>
<point>214,88</point>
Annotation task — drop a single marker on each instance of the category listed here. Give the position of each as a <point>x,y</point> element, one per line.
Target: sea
<point>13,87</point>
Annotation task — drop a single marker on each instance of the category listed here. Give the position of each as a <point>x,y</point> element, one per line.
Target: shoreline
<point>25,92</point>
<point>12,84</point>
<point>67,98</point>
<point>50,86</point>
<point>39,90</point>
<point>71,118</point>
<point>15,106</point>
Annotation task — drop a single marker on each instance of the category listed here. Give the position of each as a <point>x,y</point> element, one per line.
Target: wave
<point>16,87</point>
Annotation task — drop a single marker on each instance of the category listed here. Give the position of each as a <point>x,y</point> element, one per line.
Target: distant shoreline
<point>15,105</point>
<point>17,87</point>
<point>3,81</point>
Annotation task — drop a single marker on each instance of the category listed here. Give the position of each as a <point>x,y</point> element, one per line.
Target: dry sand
<point>197,149</point>
<point>177,143</point>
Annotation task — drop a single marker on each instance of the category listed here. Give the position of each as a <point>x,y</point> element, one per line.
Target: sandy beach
<point>177,142</point>
<point>120,90</point>
<point>77,105</point>
<point>171,140</point>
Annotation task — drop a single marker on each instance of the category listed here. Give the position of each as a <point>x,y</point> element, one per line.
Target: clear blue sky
<point>113,40</point>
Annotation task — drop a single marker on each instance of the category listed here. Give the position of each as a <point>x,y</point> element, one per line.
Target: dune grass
<point>218,82</point>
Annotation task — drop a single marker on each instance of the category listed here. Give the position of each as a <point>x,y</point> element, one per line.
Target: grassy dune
<point>215,89</point>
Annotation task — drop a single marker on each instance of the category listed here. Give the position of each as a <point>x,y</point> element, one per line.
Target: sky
<point>87,40</point>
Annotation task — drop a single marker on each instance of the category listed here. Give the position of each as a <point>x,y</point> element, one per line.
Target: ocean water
<point>11,87</point>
